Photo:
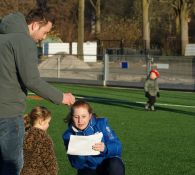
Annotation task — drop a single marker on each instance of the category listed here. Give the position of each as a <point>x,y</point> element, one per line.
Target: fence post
<point>149,61</point>
<point>106,69</point>
<point>58,66</point>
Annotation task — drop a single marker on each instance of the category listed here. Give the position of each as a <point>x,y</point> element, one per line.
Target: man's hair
<point>42,16</point>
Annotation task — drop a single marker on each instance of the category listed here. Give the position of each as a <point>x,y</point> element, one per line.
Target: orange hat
<point>155,72</point>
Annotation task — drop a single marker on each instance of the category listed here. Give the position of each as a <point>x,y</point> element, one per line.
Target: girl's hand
<point>99,147</point>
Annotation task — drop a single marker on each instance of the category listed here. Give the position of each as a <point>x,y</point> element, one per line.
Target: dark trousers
<point>11,145</point>
<point>110,166</point>
<point>151,100</point>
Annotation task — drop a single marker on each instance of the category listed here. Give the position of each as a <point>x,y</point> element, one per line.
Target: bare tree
<point>182,10</point>
<point>81,9</point>
<point>146,24</point>
<point>7,6</point>
<point>96,6</point>
<point>66,19</point>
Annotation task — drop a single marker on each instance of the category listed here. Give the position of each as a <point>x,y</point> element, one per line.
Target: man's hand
<point>68,99</point>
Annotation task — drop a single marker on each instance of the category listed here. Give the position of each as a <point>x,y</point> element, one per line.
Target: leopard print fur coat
<point>39,155</point>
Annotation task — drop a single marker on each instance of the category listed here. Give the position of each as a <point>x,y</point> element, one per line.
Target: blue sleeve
<point>112,143</point>
<point>66,138</point>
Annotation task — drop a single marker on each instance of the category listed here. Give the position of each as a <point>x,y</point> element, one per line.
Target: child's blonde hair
<point>36,113</point>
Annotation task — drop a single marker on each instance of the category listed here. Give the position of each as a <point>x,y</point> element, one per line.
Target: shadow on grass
<point>176,111</point>
<point>111,101</point>
<point>132,105</point>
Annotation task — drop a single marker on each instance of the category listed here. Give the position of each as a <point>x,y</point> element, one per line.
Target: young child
<point>82,121</point>
<point>151,89</point>
<point>39,156</point>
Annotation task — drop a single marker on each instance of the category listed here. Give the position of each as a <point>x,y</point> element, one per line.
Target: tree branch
<point>92,3</point>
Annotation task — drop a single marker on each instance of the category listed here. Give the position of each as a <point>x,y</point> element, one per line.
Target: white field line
<point>140,102</point>
<point>164,104</point>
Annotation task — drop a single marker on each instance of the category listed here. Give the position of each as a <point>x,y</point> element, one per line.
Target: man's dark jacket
<point>18,68</point>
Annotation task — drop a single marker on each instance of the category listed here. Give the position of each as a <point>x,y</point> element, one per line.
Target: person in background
<point>151,89</point>
<point>39,155</point>
<point>82,121</point>
<point>18,74</point>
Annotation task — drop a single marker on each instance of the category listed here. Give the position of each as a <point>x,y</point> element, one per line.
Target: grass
<point>154,143</point>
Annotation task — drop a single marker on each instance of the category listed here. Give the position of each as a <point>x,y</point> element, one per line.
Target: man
<point>19,72</point>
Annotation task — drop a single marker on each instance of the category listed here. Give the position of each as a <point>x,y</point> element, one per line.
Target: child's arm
<point>146,89</point>
<point>157,89</point>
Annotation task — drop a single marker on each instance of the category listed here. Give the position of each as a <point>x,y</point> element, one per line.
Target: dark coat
<point>19,68</point>
<point>39,155</point>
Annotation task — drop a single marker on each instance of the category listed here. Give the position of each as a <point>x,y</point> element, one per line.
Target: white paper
<point>82,145</point>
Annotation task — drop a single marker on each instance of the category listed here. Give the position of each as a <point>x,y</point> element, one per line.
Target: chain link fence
<point>176,72</point>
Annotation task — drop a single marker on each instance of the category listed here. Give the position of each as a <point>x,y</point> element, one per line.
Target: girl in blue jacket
<point>82,121</point>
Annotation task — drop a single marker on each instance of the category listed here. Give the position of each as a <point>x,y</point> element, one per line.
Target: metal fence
<point>176,72</point>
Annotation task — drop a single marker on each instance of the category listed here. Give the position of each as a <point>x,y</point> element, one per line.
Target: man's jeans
<point>11,145</point>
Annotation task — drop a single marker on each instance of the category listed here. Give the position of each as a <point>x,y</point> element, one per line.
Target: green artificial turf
<point>154,143</point>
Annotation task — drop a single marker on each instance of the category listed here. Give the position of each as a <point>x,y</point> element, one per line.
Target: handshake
<point>68,99</point>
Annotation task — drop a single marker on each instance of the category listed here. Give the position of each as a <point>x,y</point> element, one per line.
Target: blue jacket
<point>112,143</point>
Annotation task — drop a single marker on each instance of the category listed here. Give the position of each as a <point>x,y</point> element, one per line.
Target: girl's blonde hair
<point>79,103</point>
<point>36,113</point>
